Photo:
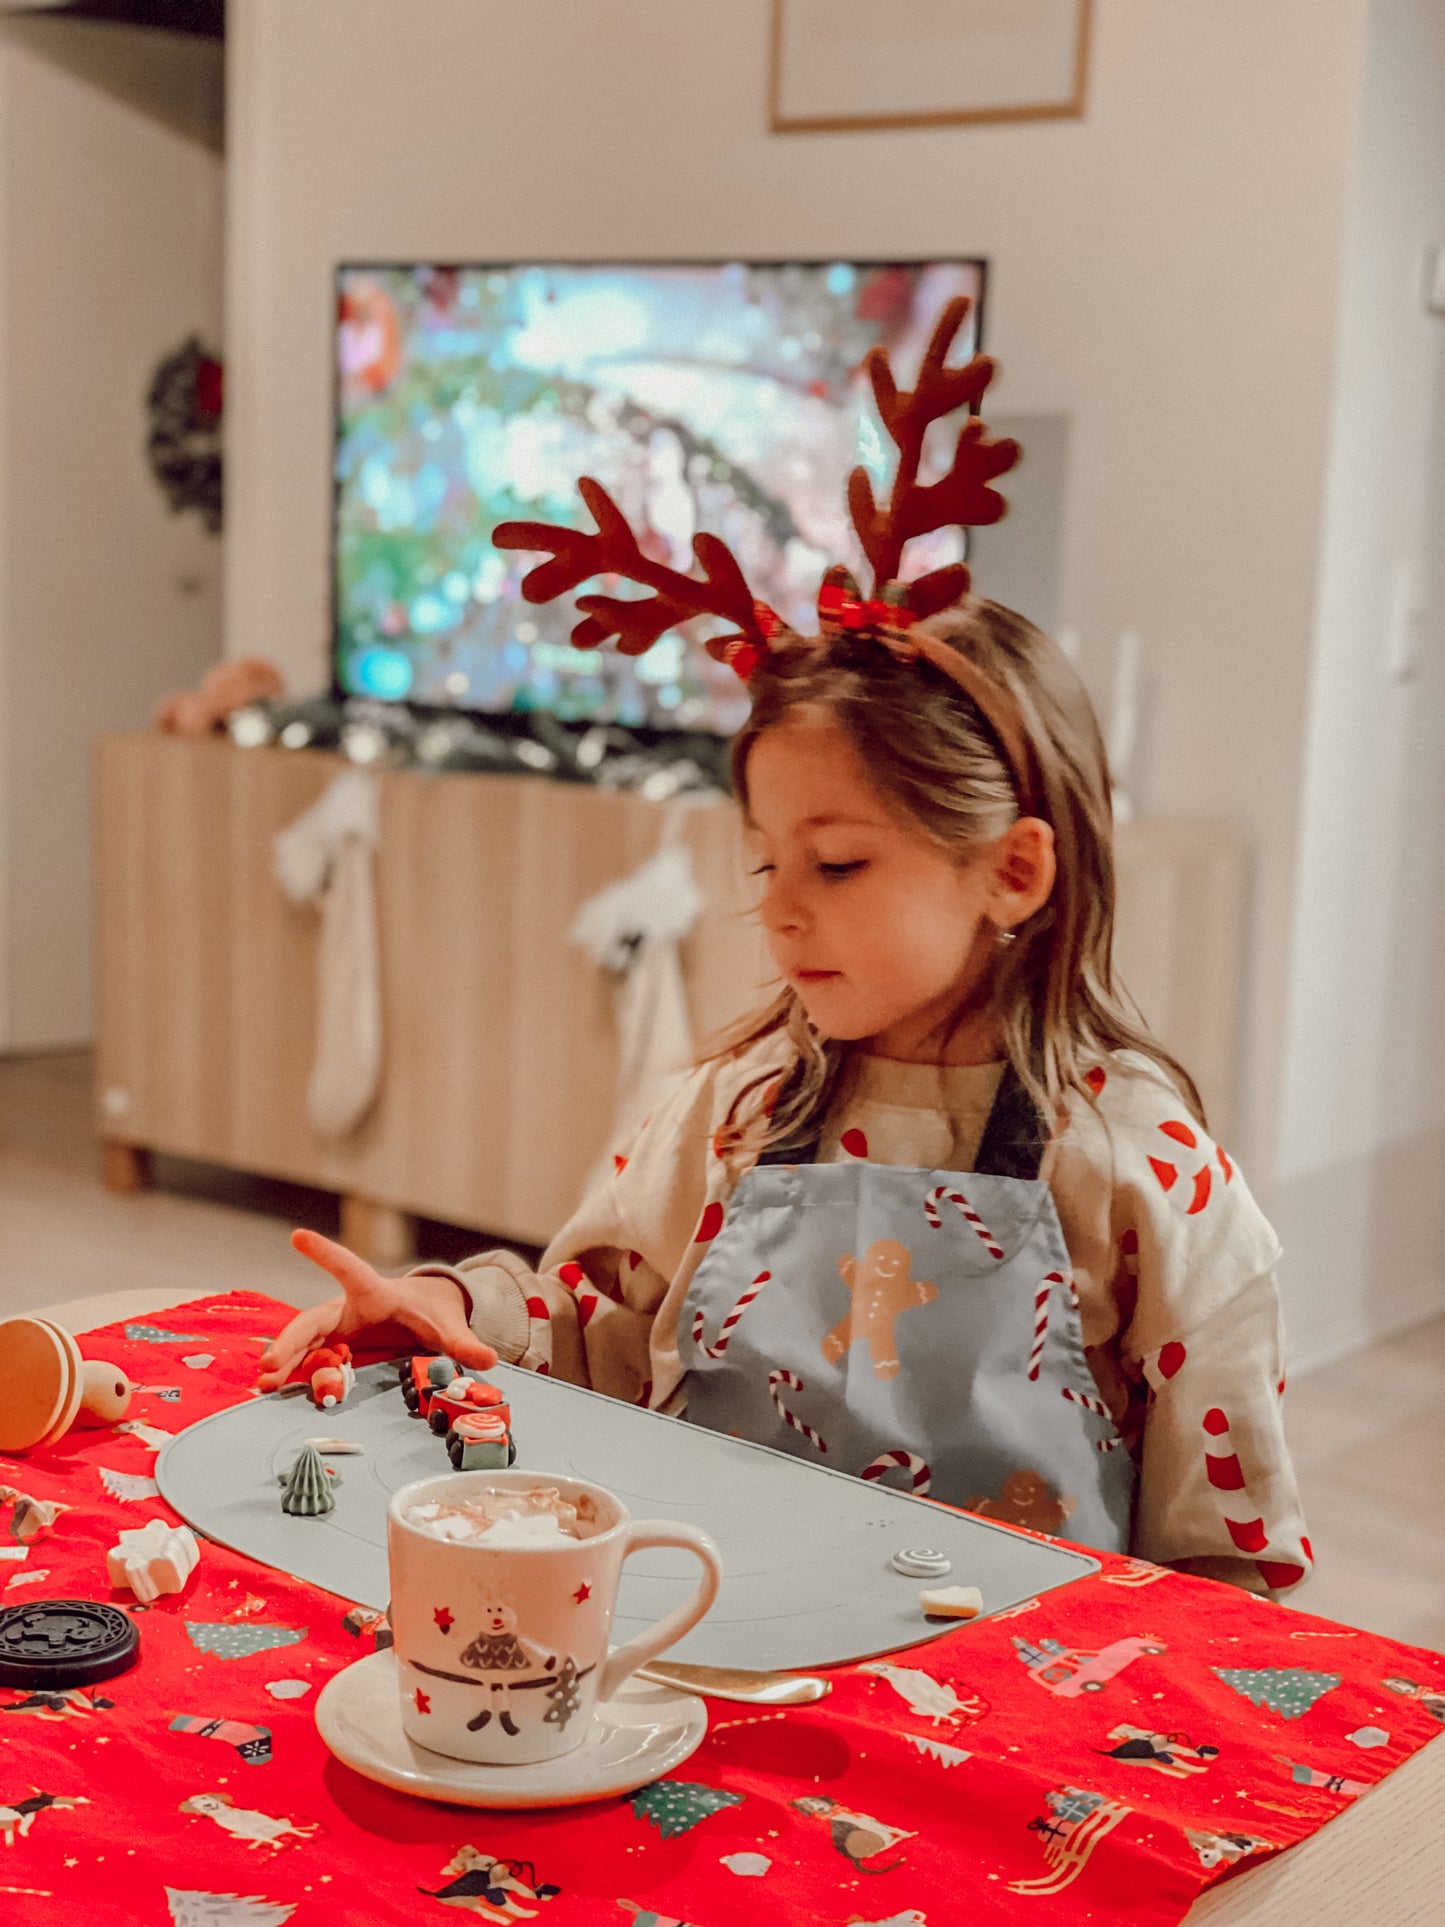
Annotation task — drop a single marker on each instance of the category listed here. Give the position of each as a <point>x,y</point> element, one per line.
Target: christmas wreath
<point>184,444</point>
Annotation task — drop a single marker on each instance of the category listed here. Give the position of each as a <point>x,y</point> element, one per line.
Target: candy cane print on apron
<point>917,1326</point>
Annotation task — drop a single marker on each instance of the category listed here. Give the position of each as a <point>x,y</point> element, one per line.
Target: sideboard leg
<point>124,1167</point>
<point>377,1232</point>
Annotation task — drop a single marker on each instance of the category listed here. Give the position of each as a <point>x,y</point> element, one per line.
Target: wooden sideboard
<point>499,1038</point>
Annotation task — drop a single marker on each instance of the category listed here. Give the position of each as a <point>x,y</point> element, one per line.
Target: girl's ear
<point>1023,870</point>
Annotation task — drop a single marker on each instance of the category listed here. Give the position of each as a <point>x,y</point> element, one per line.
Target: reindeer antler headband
<point>963,497</point>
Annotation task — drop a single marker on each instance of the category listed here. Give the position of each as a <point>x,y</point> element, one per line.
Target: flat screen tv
<point>726,396</point>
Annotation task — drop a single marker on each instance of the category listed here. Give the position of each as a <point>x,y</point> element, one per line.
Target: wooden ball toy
<point>46,1386</point>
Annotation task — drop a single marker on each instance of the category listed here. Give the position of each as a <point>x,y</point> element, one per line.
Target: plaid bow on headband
<point>964,497</point>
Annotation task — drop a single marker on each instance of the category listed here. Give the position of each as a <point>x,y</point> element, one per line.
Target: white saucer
<point>643,1733</point>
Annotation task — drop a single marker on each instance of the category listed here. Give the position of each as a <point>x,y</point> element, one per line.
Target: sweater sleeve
<point>1203,1343</point>
<point>589,1312</point>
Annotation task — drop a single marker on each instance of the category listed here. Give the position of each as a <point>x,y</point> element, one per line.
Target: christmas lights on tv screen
<point>727,397</point>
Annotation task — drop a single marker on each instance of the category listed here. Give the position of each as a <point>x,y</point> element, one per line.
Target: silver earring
<point>1008,936</point>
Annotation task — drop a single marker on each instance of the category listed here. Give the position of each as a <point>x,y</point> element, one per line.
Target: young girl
<point>944,1212</point>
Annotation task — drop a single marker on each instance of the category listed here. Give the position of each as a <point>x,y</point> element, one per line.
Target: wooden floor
<point>1368,1433</point>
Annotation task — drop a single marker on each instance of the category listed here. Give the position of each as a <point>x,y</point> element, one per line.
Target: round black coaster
<point>65,1642</point>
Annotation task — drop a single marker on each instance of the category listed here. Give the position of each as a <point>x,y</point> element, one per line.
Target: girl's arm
<point>588,1313</point>
<point>1200,1337</point>
<point>1217,1491</point>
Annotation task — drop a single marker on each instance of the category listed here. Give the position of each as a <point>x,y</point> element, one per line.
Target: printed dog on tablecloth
<point>493,1888</point>
<point>19,1816</point>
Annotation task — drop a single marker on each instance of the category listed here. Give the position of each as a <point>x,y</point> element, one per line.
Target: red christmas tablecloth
<point>1104,1752</point>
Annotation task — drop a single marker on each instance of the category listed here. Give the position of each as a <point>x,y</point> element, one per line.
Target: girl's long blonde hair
<point>935,761</point>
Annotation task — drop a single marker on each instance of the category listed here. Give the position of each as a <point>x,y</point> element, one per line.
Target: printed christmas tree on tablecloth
<point>1289,1691</point>
<point>239,1642</point>
<point>193,1909</point>
<point>676,1806</point>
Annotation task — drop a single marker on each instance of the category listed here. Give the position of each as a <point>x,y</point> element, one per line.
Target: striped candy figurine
<point>943,1194</point>
<point>699,1321</point>
<point>920,1474</point>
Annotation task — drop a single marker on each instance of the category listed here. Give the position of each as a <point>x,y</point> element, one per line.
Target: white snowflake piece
<point>153,1437</point>
<point>127,1485</point>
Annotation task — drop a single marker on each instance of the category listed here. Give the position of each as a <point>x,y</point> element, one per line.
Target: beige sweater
<point>1172,1260</point>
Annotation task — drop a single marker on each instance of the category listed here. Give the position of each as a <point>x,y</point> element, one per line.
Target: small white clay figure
<point>256,1829</point>
<point>952,1602</point>
<point>31,1519</point>
<point>153,1559</point>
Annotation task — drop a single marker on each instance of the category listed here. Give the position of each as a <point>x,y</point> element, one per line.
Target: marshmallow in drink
<point>541,1517</point>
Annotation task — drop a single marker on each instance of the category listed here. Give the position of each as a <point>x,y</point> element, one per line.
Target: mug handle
<point>646,1646</point>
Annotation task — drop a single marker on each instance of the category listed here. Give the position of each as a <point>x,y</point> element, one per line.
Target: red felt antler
<point>963,496</point>
<point>614,550</point>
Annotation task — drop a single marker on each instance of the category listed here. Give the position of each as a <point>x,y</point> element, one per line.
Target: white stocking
<point>327,857</point>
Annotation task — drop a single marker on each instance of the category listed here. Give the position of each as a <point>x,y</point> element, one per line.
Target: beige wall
<point>110,255</point>
<point>1164,272</point>
<point>1360,1201</point>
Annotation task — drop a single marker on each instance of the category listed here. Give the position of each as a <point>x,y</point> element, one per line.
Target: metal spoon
<point>738,1683</point>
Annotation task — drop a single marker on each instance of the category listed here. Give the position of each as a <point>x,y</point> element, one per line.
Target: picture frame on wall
<point>839,64</point>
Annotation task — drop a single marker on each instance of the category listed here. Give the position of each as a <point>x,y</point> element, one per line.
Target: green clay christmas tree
<point>308,1486</point>
<point>1289,1691</point>
<point>676,1806</point>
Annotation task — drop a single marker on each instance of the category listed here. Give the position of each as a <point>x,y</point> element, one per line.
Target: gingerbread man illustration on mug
<point>880,1287</point>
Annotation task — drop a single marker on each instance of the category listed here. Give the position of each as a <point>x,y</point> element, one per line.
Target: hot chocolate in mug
<point>501,1623</point>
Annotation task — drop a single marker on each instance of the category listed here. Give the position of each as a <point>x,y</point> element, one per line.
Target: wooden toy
<point>46,1386</point>
<point>328,1371</point>
<point>422,1378</point>
<point>480,1442</point>
<point>465,1395</point>
<point>155,1558</point>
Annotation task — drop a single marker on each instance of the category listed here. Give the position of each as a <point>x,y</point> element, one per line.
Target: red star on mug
<point>584,1591</point>
<point>443,1618</point>
<point>423,1703</point>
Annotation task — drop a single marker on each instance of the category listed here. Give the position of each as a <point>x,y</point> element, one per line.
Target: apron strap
<point>1013,1144</point>
<point>1014,1139</point>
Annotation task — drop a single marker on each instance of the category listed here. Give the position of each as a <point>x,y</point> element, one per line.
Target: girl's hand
<point>431,1308</point>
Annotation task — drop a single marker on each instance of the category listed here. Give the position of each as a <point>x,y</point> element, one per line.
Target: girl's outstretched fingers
<point>349,1271</point>
<point>307,1329</point>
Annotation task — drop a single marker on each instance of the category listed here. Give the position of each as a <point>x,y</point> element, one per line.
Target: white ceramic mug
<point>502,1651</point>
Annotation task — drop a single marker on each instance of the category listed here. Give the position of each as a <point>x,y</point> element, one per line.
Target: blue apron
<point>914,1326</point>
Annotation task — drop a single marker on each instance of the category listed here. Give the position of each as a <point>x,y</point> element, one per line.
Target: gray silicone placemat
<point>805,1551</point>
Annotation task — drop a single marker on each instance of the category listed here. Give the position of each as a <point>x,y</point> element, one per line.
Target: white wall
<point>1362,1140</point>
<point>1164,272</point>
<point>110,255</point>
